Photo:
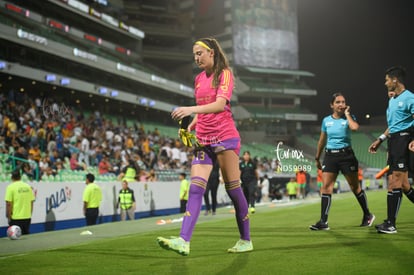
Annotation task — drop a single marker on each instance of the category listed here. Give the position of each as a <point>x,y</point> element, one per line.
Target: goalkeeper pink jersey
<point>214,128</point>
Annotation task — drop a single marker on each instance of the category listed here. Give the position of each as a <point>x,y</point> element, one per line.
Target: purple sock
<point>195,199</point>
<point>240,204</point>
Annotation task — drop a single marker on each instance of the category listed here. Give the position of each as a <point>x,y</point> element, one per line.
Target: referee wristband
<point>382,137</point>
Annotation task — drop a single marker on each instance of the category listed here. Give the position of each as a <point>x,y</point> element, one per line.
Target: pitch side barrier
<point>59,205</point>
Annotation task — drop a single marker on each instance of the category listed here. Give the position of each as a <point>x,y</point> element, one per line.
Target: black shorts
<point>23,224</point>
<point>91,215</point>
<point>398,152</point>
<point>343,160</point>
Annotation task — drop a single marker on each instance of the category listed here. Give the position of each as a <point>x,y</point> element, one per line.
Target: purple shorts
<point>207,153</point>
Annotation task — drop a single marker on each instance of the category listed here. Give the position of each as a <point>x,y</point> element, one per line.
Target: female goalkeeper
<point>220,141</point>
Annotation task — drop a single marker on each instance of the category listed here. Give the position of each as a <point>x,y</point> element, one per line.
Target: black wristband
<point>185,122</point>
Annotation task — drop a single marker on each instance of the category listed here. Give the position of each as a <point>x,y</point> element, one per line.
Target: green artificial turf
<point>283,244</point>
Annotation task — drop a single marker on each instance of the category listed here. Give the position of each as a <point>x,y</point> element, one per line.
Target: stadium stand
<point>114,55</point>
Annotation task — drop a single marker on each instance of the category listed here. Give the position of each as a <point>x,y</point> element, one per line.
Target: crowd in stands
<point>43,138</point>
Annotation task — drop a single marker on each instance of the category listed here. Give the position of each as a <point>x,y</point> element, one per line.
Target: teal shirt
<point>337,132</point>
<point>400,112</point>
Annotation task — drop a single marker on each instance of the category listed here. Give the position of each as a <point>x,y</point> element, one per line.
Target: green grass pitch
<point>283,244</point>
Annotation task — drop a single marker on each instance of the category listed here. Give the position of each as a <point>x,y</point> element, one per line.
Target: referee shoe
<point>320,225</point>
<point>368,220</point>
<point>387,228</point>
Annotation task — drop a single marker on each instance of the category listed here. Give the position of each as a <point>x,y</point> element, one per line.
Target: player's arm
<point>376,144</point>
<point>9,207</point>
<point>214,107</point>
<point>85,205</point>
<point>353,125</point>
<point>192,123</point>
<point>321,145</point>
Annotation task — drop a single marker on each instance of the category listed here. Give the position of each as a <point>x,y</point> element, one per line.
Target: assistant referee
<point>339,156</point>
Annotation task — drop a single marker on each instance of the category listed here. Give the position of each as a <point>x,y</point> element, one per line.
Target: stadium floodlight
<point>50,78</point>
<point>114,93</point>
<point>143,101</point>
<point>64,81</point>
<point>103,90</point>
<point>3,65</point>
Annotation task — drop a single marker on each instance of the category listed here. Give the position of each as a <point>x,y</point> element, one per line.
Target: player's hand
<point>181,112</point>
<point>374,147</point>
<point>347,109</point>
<point>411,146</point>
<point>318,164</point>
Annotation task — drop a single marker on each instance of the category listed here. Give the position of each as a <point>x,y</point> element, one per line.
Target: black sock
<point>410,194</point>
<point>325,206</point>
<point>393,204</point>
<point>363,202</point>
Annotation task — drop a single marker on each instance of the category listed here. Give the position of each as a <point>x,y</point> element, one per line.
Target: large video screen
<point>265,33</point>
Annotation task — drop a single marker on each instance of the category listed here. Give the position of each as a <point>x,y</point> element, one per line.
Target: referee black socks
<point>363,202</point>
<point>325,206</point>
<point>410,194</point>
<point>393,204</point>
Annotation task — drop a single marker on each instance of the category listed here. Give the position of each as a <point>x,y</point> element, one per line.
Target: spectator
<point>184,157</point>
<point>75,165</point>
<point>35,152</point>
<point>143,176</point>
<point>57,167</point>
<point>45,166</point>
<point>84,151</point>
<point>151,158</point>
<point>165,153</point>
<point>264,189</point>
<point>30,168</point>
<point>19,158</point>
<point>105,167</point>
<point>41,138</point>
<point>175,156</point>
<point>152,176</point>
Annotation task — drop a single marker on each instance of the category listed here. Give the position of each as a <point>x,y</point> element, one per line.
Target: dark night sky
<point>348,44</point>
